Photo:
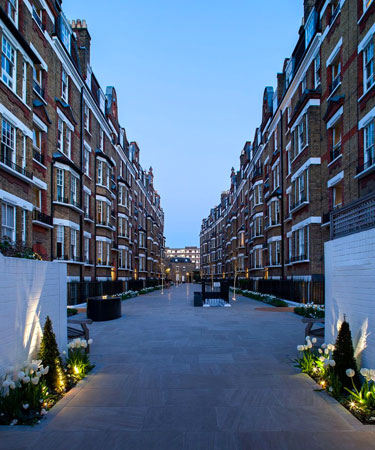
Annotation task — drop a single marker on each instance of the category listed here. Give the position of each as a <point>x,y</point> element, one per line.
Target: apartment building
<point>312,154</point>
<point>193,253</point>
<point>71,185</point>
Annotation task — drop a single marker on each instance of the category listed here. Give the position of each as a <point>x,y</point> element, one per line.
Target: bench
<point>84,332</point>
<point>316,332</point>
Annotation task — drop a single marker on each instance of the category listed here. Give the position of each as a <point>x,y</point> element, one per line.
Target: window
<point>60,135</point>
<point>65,32</point>
<point>87,204</point>
<point>73,244</point>
<point>301,134</point>
<point>38,78</point>
<point>100,252</point>
<point>60,185</point>
<point>366,4</point>
<point>101,140</point>
<point>86,117</point>
<point>24,81</point>
<point>337,195</point>
<point>37,198</point>
<point>64,86</point>
<point>37,139</point>
<point>289,161</point>
<point>87,249</point>
<point>13,11</point>
<point>276,177</point>
<point>107,176</point>
<point>277,253</point>
<point>24,226</point>
<point>60,242</point>
<point>99,212</point>
<point>369,156</point>
<point>8,222</point>
<point>68,151</point>
<point>368,79</point>
<point>121,259</point>
<point>107,254</point>
<point>8,143</point>
<point>100,172</point>
<point>336,140</point>
<point>317,70</point>
<point>86,162</point>
<point>336,74</point>
<point>8,64</point>
<point>23,154</point>
<point>335,8</point>
<point>73,190</point>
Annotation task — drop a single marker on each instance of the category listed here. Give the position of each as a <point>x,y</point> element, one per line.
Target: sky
<point>189,77</point>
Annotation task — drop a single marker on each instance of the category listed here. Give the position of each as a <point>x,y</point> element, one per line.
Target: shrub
<point>16,249</point>
<point>265,298</point>
<point>310,310</point>
<point>344,356</point>
<point>128,294</point>
<point>50,356</point>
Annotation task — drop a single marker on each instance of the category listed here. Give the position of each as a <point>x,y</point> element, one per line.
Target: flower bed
<point>310,310</point>
<point>265,298</point>
<point>28,392</point>
<point>131,294</point>
<point>334,369</point>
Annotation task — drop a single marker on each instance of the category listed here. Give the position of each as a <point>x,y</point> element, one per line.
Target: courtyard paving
<point>171,376</point>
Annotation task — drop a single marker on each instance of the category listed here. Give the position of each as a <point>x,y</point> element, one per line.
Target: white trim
<point>334,53</point>
<point>87,145</point>
<point>288,190</point>
<point>333,120</point>
<point>311,102</point>
<point>308,221</point>
<point>39,183</point>
<point>308,163</point>
<point>257,183</point>
<point>366,40</point>
<point>87,234</point>
<point>64,118</point>
<point>259,214</point>
<point>103,239</point>
<point>275,163</point>
<point>66,223</point>
<point>64,166</point>
<point>335,180</point>
<point>86,189</point>
<point>258,247</point>
<point>289,234</point>
<point>72,278</point>
<point>43,63</point>
<point>274,239</point>
<point>15,121</point>
<point>366,119</point>
<point>103,199</point>
<point>123,247</point>
<point>15,201</point>
<point>40,124</point>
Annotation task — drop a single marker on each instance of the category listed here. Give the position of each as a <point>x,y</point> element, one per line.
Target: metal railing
<point>41,217</point>
<point>353,218</point>
<point>79,292</point>
<point>370,162</point>
<point>38,89</point>
<point>37,155</point>
<point>8,162</point>
<point>336,81</point>
<point>335,151</point>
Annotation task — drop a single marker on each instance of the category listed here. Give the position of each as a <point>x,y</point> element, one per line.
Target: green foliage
<point>265,298</point>
<point>50,356</point>
<point>344,356</point>
<point>16,249</point>
<point>72,312</point>
<point>309,311</point>
<point>128,294</point>
<point>306,361</point>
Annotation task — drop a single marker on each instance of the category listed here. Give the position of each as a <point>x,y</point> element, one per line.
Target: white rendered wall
<point>29,291</point>
<point>350,291</point>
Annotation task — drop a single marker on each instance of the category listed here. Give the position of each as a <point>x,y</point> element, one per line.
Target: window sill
<point>299,153</point>
<point>40,97</point>
<point>69,261</point>
<point>334,160</point>
<point>300,206</point>
<point>75,208</point>
<point>42,224</point>
<point>15,94</point>
<point>15,173</point>
<point>88,219</point>
<point>39,163</point>
<point>365,172</point>
<point>334,90</point>
<point>107,227</point>
<point>366,92</point>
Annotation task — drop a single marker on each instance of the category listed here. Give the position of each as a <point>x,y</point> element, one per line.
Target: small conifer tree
<point>344,356</point>
<point>50,356</point>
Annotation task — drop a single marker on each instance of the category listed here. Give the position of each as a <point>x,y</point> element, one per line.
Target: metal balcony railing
<point>8,162</point>
<point>370,161</point>
<point>336,81</point>
<point>37,155</point>
<point>335,151</point>
<point>41,217</point>
<point>38,89</point>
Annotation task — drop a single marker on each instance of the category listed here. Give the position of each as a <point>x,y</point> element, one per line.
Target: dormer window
<point>65,32</point>
<point>13,11</point>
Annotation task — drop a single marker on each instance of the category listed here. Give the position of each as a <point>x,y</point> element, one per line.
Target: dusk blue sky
<point>189,77</point>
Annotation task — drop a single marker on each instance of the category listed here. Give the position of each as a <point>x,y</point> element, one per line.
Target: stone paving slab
<point>170,376</point>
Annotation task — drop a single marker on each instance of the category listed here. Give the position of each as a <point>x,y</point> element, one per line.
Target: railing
<point>37,155</point>
<point>336,81</point>
<point>370,162</point>
<point>298,258</point>
<point>75,203</point>
<point>88,216</point>
<point>69,258</point>
<point>299,202</point>
<point>104,223</point>
<point>41,217</point>
<point>38,89</point>
<point>65,200</point>
<point>257,172</point>
<point>79,292</point>
<point>13,165</point>
<point>353,218</point>
<point>335,151</point>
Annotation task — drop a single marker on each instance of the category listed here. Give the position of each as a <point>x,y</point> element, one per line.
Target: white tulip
<point>84,344</point>
<point>26,380</point>
<point>35,380</point>
<point>332,362</point>
<point>6,383</point>
<point>324,345</point>
<point>90,341</point>
<point>320,350</point>
<point>307,338</point>
<point>309,344</point>
<point>350,373</point>
<point>21,375</point>
<point>314,340</point>
<point>300,348</point>
<point>25,406</point>
<point>38,374</point>
<point>43,412</point>
<point>321,358</point>
<point>326,351</point>
<point>12,385</point>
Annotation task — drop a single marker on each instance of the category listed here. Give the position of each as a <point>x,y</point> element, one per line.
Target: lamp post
<point>235,269</point>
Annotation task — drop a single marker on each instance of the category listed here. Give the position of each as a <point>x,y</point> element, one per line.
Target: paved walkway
<point>171,376</point>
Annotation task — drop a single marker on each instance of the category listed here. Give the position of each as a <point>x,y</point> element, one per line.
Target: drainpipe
<point>282,197</point>
<point>81,190</point>
<point>52,206</point>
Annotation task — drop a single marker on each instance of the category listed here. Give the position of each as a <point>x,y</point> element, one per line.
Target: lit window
<point>8,64</point>
<point>337,195</point>
<point>8,222</point>
<point>37,139</point>
<point>37,199</point>
<point>369,66</point>
<point>64,86</point>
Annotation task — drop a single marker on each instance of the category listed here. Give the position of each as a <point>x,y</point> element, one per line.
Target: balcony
<point>37,156</point>
<point>368,166</point>
<point>38,89</point>
<point>299,203</point>
<point>257,172</point>
<point>9,163</point>
<point>335,151</point>
<point>335,83</point>
<point>42,219</point>
<point>64,200</point>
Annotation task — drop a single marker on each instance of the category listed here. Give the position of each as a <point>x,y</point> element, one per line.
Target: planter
<point>198,301</point>
<point>100,309</point>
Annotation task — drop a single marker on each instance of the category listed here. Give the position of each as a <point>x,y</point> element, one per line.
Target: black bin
<point>198,301</point>
<point>100,309</point>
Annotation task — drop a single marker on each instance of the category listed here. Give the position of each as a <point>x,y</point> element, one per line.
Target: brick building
<point>312,154</point>
<point>180,270</point>
<point>193,253</point>
<point>71,185</point>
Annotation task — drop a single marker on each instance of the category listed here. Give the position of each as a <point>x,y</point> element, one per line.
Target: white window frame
<point>86,248</point>
<point>9,55</point>
<point>64,86</point>
<point>368,80</point>
<point>317,79</point>
<point>86,152</point>
<point>60,183</point>
<point>8,228</point>
<point>13,10</point>
<point>73,243</point>
<point>60,135</point>
<point>8,138</point>
<point>369,143</point>
<point>100,172</point>
<point>60,238</point>
<point>24,81</point>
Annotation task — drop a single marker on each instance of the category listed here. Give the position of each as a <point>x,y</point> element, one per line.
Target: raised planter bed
<point>100,309</point>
